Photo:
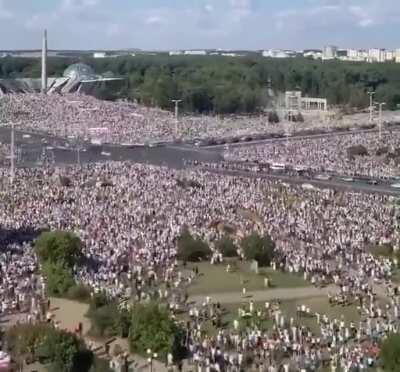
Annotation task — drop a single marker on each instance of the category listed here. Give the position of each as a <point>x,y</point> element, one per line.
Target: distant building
<point>99,55</point>
<point>295,102</point>
<point>389,55</point>
<point>329,52</point>
<point>175,53</point>
<point>315,54</point>
<point>376,55</point>
<point>76,78</point>
<point>195,53</point>
<point>229,54</point>
<point>278,53</point>
<point>397,55</point>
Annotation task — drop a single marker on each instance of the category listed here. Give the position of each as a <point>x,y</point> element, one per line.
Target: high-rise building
<point>376,55</point>
<point>329,52</point>
<point>397,55</point>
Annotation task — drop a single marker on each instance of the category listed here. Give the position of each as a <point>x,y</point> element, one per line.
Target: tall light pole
<point>12,154</point>
<point>176,102</point>
<point>371,96</point>
<point>380,104</point>
<point>150,358</point>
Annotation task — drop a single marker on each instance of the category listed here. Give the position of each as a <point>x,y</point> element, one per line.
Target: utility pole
<point>371,107</point>
<point>12,169</point>
<point>44,62</point>
<point>176,102</point>
<point>380,104</point>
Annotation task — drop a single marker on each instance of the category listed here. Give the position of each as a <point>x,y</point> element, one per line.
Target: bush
<point>65,352</point>
<point>273,117</point>
<point>58,246</point>
<point>79,293</point>
<point>227,247</point>
<point>104,320</point>
<point>192,249</point>
<point>153,328</point>
<point>258,248</point>
<point>24,338</point>
<point>357,150</point>
<point>59,279</point>
<point>390,353</point>
<point>98,300</point>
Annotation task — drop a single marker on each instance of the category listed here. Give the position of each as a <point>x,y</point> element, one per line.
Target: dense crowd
<point>123,122</point>
<point>129,217</point>
<point>331,154</point>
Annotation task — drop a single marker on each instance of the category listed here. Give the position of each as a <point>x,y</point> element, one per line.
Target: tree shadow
<point>10,237</point>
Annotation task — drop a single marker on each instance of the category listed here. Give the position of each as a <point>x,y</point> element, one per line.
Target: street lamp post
<point>176,102</point>
<point>371,107</point>
<point>380,105</point>
<point>12,154</point>
<point>150,358</point>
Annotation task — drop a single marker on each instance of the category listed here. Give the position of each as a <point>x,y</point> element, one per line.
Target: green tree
<point>59,278</point>
<point>59,246</point>
<point>390,353</point>
<point>153,328</point>
<point>227,247</point>
<point>65,352</point>
<point>192,249</point>
<point>256,247</point>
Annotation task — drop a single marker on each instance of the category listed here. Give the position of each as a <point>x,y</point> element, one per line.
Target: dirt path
<point>267,294</point>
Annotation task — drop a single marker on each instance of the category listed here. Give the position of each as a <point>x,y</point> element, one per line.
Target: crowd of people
<point>331,154</point>
<point>84,116</point>
<point>129,217</point>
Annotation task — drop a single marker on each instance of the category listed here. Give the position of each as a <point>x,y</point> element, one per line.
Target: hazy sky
<point>184,24</point>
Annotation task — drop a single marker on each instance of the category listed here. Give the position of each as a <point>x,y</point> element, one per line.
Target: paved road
<point>299,136</point>
<point>331,184</point>
<point>266,295</point>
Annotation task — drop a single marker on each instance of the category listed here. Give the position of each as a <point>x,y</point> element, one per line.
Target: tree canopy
<point>62,350</point>
<point>153,328</point>
<point>58,246</point>
<point>224,85</point>
<point>191,248</point>
<point>227,247</point>
<point>59,252</point>
<point>258,248</point>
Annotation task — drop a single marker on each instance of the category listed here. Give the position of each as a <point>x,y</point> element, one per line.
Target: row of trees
<point>230,85</point>
<point>255,247</point>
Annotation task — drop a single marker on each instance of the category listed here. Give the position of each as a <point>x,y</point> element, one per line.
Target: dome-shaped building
<point>79,71</point>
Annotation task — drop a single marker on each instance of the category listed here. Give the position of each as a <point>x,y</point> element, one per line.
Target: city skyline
<point>205,24</point>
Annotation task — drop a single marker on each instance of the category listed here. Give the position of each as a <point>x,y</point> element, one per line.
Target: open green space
<point>215,279</point>
<point>316,304</point>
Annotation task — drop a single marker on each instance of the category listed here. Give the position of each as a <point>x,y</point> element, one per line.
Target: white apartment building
<point>195,53</point>
<point>390,55</point>
<point>329,52</point>
<point>376,55</point>
<point>99,55</point>
<point>175,53</point>
<point>312,54</point>
<point>397,55</point>
<point>277,53</point>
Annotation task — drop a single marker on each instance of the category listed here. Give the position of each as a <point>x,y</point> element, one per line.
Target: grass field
<point>215,279</point>
<point>317,305</point>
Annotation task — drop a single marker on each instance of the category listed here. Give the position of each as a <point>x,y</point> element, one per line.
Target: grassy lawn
<point>215,279</point>
<point>288,308</point>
